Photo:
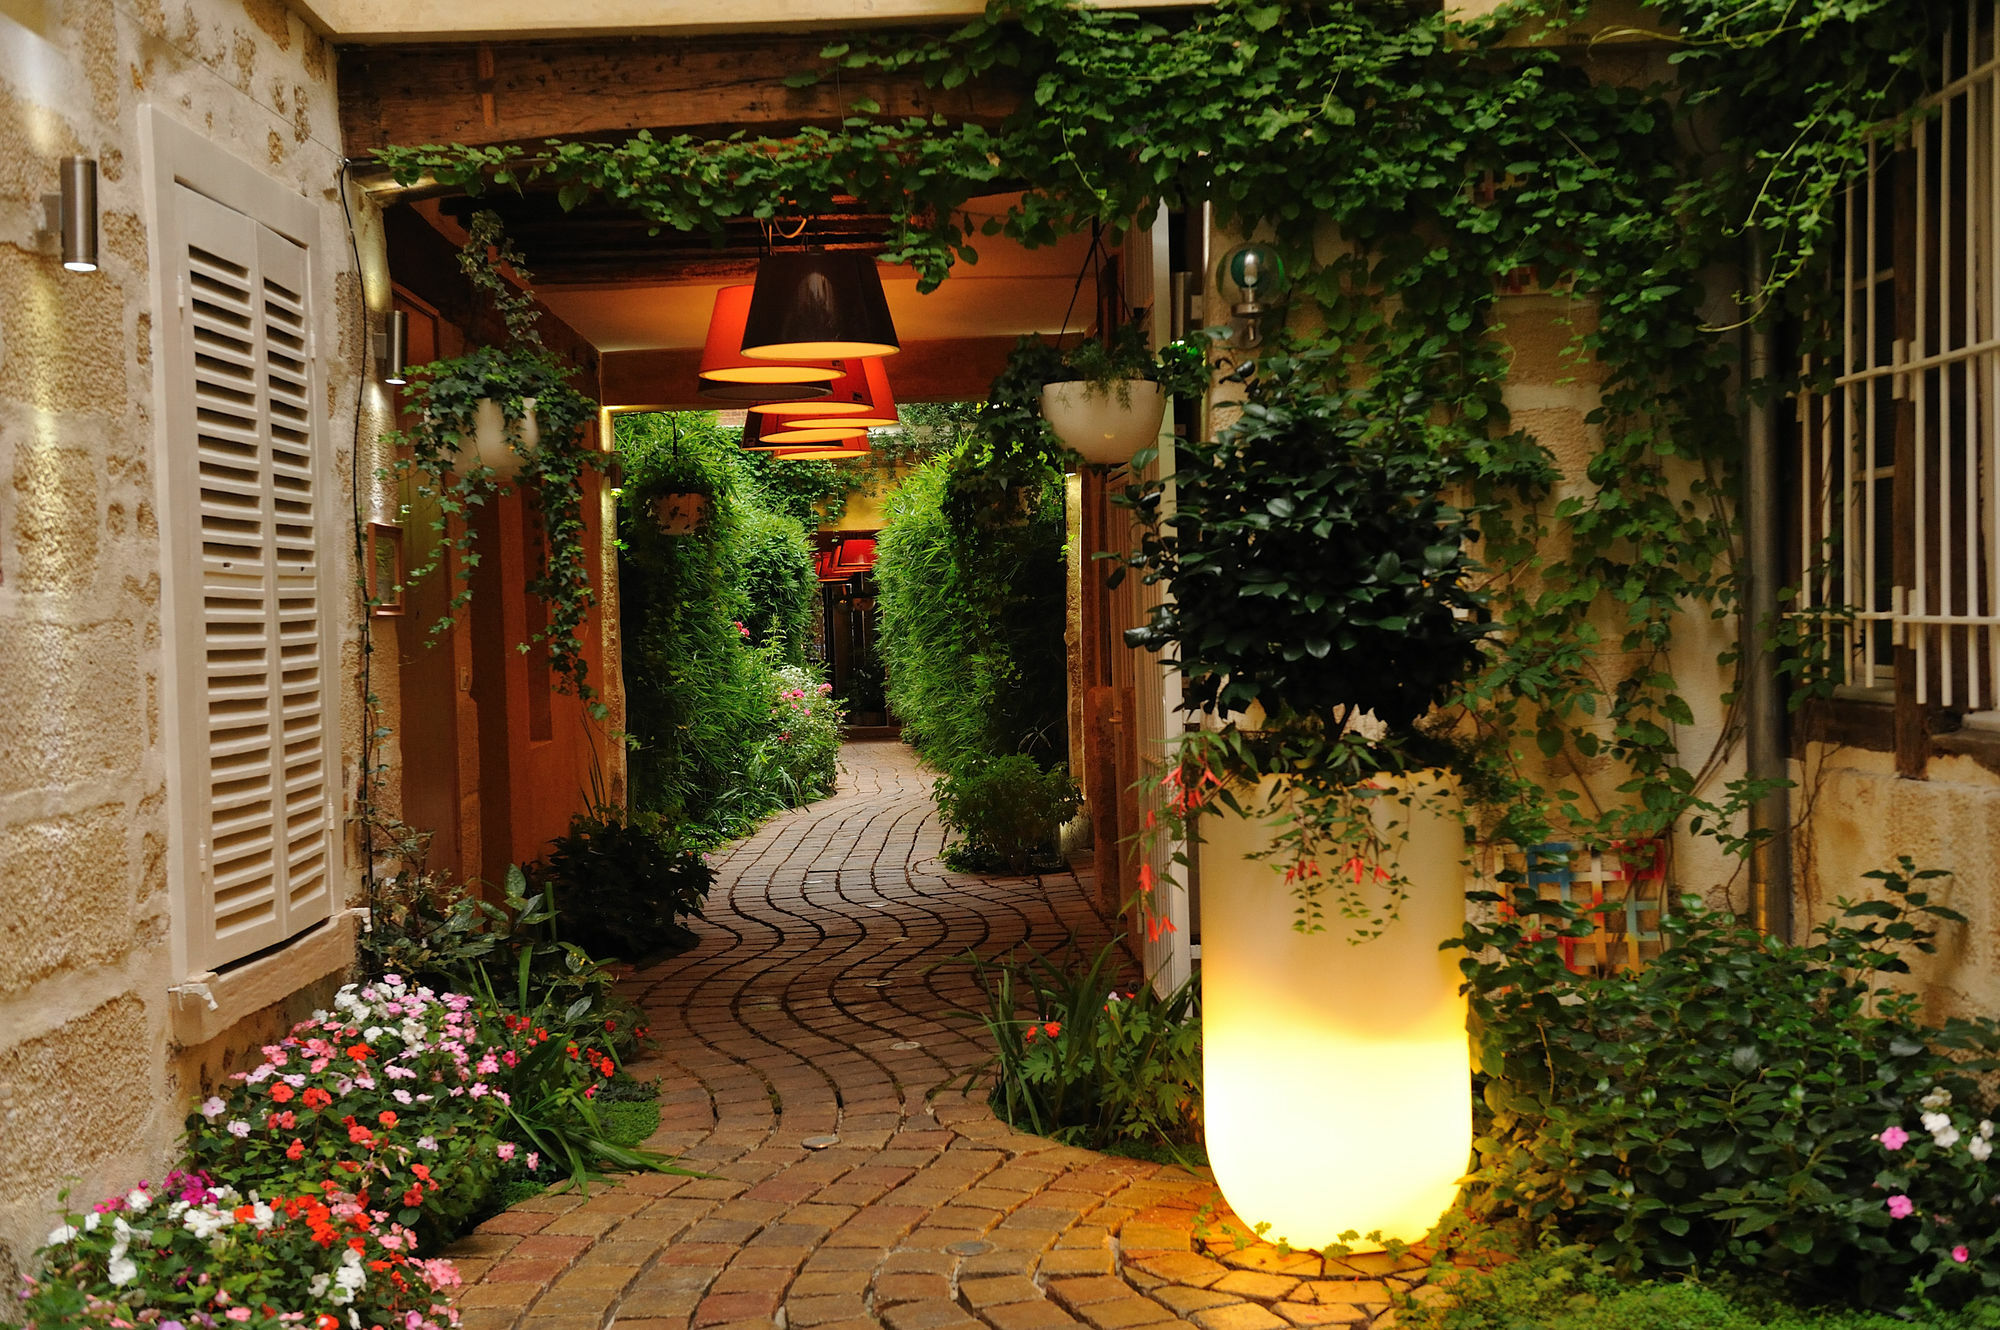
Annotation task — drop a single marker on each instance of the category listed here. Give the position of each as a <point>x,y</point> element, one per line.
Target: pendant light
<point>823,453</point>
<point>727,376</point>
<point>859,397</point>
<point>814,305</point>
<point>763,434</point>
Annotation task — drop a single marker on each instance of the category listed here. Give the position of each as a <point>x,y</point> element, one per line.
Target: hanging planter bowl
<point>679,512</point>
<point>1105,422</point>
<point>1337,1079</point>
<point>490,445</point>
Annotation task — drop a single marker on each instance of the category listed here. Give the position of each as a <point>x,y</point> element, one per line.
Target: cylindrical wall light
<point>396,352</point>
<point>79,214</point>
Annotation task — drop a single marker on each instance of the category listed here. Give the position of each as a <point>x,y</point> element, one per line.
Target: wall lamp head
<point>74,213</point>
<point>1252,278</point>
<point>396,347</point>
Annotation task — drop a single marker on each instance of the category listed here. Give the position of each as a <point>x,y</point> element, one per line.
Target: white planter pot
<point>1336,1077</point>
<point>1106,423</point>
<point>490,445</point>
<point>680,513</point>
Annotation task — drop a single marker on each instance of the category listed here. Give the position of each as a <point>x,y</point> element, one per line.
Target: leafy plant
<point>618,880</point>
<point>1724,1109</point>
<point>802,750</point>
<point>523,378</point>
<point>1008,809</point>
<point>1080,1062</point>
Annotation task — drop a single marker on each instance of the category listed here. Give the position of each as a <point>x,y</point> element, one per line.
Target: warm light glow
<point>821,350</point>
<point>860,396</point>
<point>722,359</point>
<point>826,433</point>
<point>1337,1078</point>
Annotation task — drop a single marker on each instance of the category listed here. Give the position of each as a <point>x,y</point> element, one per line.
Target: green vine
<point>1411,170</point>
<point>526,380</point>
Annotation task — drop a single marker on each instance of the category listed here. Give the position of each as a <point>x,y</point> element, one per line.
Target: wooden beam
<point>499,92</point>
<point>958,369</point>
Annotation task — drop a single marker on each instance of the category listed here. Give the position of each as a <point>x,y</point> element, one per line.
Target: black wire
<point>1089,261</point>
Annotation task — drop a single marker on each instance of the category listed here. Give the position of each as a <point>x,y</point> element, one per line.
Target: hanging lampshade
<point>727,377</point>
<point>859,397</point>
<point>761,434</point>
<point>824,452</point>
<point>818,306</point>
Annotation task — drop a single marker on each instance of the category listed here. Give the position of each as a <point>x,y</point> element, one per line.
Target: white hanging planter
<point>1105,422</point>
<point>1336,1077</point>
<point>680,512</point>
<point>490,444</point>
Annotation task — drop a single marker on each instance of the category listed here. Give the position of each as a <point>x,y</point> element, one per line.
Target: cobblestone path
<point>800,1048</point>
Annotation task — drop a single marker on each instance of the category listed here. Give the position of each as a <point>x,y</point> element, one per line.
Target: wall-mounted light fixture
<point>73,213</point>
<point>1252,278</point>
<point>396,347</point>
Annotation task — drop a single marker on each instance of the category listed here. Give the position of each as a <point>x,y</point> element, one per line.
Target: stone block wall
<point>92,1087</point>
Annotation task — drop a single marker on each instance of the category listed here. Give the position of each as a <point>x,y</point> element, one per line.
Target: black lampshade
<point>818,306</point>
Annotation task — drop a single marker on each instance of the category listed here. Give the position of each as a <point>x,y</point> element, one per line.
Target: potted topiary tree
<point>501,415</point>
<point>1106,401</point>
<point>1321,609</point>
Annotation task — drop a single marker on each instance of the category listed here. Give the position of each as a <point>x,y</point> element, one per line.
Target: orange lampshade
<point>727,375</point>
<point>831,452</point>
<point>860,396</point>
<point>762,434</point>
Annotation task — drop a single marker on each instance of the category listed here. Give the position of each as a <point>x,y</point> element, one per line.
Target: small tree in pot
<point>1322,607</point>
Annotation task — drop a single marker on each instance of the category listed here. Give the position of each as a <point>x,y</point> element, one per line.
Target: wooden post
<point>1100,791</point>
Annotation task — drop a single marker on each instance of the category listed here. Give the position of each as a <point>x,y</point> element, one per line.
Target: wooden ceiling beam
<point>957,369</point>
<point>502,92</point>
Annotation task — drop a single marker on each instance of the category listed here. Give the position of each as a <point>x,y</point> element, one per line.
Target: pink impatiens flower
<point>1961,1254</point>
<point>1901,1207</point>
<point>1895,1138</point>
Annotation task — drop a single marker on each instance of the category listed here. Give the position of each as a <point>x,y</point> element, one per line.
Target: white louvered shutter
<point>254,712</point>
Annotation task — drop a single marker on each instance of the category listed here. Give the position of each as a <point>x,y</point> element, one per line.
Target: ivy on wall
<point>1450,163</point>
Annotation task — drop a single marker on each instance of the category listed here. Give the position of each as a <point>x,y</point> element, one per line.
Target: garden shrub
<point>193,1252</point>
<point>1086,1064</point>
<point>1741,1105</point>
<point>799,756</point>
<point>1009,810</point>
<point>617,880</point>
<point>778,582</point>
<point>1563,1289</point>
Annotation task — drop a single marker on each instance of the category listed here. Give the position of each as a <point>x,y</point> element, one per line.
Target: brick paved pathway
<point>801,1047</point>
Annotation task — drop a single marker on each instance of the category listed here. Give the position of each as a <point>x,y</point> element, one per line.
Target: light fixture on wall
<point>859,397</point>
<point>815,305</point>
<point>728,376</point>
<point>396,347</point>
<point>1252,278</point>
<point>73,213</point>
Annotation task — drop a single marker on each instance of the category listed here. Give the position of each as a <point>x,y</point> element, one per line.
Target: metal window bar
<point>1947,367</point>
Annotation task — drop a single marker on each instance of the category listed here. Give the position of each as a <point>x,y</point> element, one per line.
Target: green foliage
<point>1008,809</point>
<point>445,396</point>
<point>800,755</point>
<point>1086,1064</point>
<point>972,621</point>
<point>1562,1288</point>
<point>1453,164</point>
<point>618,880</point>
<point>702,718</point>
<point>1723,1109</point>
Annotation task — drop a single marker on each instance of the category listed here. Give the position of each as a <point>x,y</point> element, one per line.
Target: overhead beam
<point>959,369</point>
<point>503,92</point>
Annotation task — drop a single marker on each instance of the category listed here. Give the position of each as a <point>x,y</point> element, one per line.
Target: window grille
<point>1900,489</point>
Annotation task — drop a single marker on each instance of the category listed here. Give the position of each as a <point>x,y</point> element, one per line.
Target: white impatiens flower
<point>1946,1138</point>
<point>66,1233</point>
<point>316,1286</point>
<point>1935,1122</point>
<point>138,1200</point>
<point>1979,1148</point>
<point>1985,1129</point>
<point>91,1221</point>
<point>1939,1097</point>
<point>238,1128</point>
<point>122,1269</point>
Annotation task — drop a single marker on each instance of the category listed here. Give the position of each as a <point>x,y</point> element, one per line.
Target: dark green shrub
<point>1723,1109</point>
<point>1008,809</point>
<point>778,582</point>
<point>618,881</point>
<point>1081,1062</point>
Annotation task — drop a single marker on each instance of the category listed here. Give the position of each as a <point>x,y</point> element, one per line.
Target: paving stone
<point>1311,1314</point>
<point>1057,1264</point>
<point>1040,1314</point>
<point>979,1293</point>
<point>1238,1316</point>
<point>1250,1284</point>
<point>932,1314</point>
<point>890,1289</point>
<point>1122,1313</point>
<point>1075,1293</point>
<point>1184,1268</point>
<point>805,1311</point>
<point>1184,1301</point>
<point>718,1308</point>
<point>1351,1290</point>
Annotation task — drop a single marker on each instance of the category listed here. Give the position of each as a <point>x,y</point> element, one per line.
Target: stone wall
<point>93,1086</point>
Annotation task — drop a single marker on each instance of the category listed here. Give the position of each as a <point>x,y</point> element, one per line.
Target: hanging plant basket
<point>679,512</point>
<point>490,444</point>
<point>1105,422</point>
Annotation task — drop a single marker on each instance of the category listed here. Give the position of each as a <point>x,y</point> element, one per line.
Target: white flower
<point>123,1270</point>
<point>1935,1122</point>
<point>1979,1148</point>
<point>316,1286</point>
<point>372,1033</point>
<point>1985,1129</point>
<point>262,1217</point>
<point>91,1221</point>
<point>427,1143</point>
<point>1946,1138</point>
<point>211,1108</point>
<point>1939,1097</point>
<point>205,1221</point>
<point>138,1200</point>
<point>64,1234</point>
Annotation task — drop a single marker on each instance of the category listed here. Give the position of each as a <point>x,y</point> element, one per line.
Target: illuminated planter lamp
<point>1337,1079</point>
<point>860,396</point>
<point>727,376</point>
<point>815,305</point>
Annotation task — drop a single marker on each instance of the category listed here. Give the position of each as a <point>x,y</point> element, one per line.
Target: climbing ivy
<point>1411,169</point>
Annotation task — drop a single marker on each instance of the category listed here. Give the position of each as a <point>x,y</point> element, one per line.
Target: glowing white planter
<point>1105,423</point>
<point>1337,1078</point>
<point>490,442</point>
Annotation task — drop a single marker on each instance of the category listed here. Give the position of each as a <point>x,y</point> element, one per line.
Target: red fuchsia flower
<point>1901,1206</point>
<point>281,1092</point>
<point>1300,870</point>
<point>1357,865</point>
<point>1895,1138</point>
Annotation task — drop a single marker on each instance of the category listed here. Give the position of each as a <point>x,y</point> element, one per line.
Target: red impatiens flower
<point>296,1150</point>
<point>386,1118</point>
<point>281,1092</point>
<point>315,1098</point>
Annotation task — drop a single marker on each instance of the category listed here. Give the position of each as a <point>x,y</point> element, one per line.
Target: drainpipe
<point>1771,862</point>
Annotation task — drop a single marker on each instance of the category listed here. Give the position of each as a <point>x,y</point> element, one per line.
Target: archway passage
<point>811,1067</point>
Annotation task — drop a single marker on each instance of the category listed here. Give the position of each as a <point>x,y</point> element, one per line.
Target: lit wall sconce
<point>1252,278</point>
<point>73,213</point>
<point>396,347</point>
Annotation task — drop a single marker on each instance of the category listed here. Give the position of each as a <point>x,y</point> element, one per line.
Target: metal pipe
<point>1767,758</point>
